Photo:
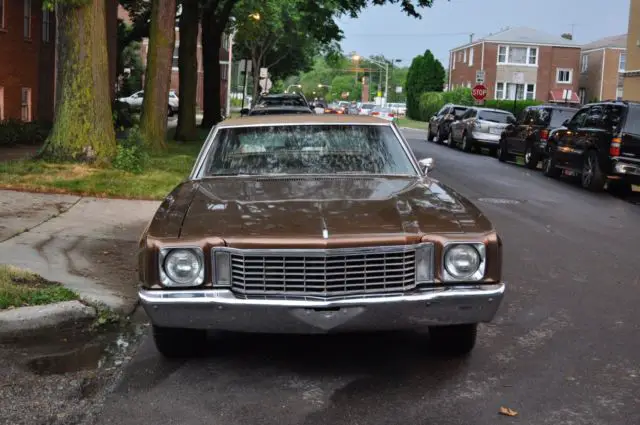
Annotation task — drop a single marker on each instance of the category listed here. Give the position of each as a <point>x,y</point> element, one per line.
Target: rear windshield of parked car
<point>632,125</point>
<point>555,117</point>
<point>308,149</point>
<point>492,116</point>
<point>270,111</point>
<point>282,101</point>
<point>459,111</point>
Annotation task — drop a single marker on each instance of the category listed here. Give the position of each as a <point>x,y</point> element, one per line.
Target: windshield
<point>558,116</point>
<point>308,149</point>
<point>281,101</point>
<point>458,112</point>
<point>494,116</point>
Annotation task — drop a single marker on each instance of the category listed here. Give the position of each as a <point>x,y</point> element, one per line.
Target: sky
<point>386,30</point>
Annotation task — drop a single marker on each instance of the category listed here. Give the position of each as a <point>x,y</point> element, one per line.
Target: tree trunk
<point>211,40</point>
<point>83,126</point>
<point>153,123</point>
<point>188,65</point>
<point>255,66</point>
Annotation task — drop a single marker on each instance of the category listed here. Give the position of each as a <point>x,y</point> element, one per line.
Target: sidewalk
<point>87,244</point>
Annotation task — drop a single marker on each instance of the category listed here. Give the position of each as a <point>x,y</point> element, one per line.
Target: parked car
<point>398,108</point>
<point>383,112</point>
<point>601,144</point>
<point>480,127</point>
<point>281,110</point>
<point>439,124</point>
<point>136,99</point>
<point>273,232</point>
<point>282,99</point>
<point>366,108</point>
<point>528,136</point>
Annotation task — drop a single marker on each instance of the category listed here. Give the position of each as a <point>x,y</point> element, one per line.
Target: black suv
<point>528,136</point>
<point>601,143</point>
<point>439,123</point>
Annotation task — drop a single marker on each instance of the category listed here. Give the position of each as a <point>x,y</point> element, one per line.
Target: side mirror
<point>244,112</point>
<point>426,165</point>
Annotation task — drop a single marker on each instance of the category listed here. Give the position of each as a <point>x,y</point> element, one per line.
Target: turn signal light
<point>614,149</point>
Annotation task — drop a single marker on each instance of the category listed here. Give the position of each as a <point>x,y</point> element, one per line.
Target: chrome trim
<point>446,277</point>
<point>221,310</point>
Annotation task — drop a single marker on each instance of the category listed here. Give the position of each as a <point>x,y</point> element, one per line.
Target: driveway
<point>564,348</point>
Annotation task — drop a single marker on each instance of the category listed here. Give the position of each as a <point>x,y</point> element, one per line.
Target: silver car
<point>479,127</point>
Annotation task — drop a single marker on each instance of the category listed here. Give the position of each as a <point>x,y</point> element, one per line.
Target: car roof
<point>257,120</point>
<point>552,106</point>
<point>492,110</point>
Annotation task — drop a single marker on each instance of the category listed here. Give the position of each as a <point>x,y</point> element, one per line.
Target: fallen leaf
<point>508,412</point>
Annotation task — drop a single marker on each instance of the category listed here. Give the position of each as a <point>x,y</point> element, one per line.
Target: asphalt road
<point>564,349</point>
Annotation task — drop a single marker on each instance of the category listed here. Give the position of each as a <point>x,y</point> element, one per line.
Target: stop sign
<point>479,92</point>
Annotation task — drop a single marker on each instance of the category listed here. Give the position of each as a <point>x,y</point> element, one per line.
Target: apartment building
<point>28,58</point>
<point>175,74</point>
<point>631,76</point>
<point>519,63</point>
<point>602,66</point>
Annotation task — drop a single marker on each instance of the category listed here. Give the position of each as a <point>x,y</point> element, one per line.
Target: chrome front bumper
<point>221,310</point>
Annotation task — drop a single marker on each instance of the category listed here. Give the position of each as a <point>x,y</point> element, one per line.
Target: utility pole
<point>471,37</point>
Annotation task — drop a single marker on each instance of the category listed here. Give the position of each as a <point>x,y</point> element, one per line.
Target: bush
<point>123,115</point>
<point>131,154</point>
<point>16,132</point>
<point>432,102</point>
<point>508,105</point>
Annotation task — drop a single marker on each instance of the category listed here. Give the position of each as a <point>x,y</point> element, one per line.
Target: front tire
<point>467,145</point>
<point>531,158</point>
<point>175,343</point>
<point>549,167</point>
<point>456,340</point>
<point>429,134</point>
<point>592,178</point>
<point>501,153</point>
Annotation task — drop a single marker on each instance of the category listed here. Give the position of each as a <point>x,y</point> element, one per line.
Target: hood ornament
<point>325,231</point>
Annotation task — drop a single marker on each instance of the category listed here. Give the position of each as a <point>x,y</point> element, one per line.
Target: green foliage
<point>510,105</point>
<point>432,102</point>
<point>131,154</point>
<point>16,132</point>
<point>426,74</point>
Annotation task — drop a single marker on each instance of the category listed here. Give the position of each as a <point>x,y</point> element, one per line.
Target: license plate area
<point>495,130</point>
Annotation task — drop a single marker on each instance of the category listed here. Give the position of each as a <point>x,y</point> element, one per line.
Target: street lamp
<point>293,85</point>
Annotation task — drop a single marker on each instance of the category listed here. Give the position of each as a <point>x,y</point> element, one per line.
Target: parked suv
<point>528,136</point>
<point>480,127</point>
<point>601,143</point>
<point>440,122</point>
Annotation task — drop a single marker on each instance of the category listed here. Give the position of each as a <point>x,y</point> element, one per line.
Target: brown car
<point>316,224</point>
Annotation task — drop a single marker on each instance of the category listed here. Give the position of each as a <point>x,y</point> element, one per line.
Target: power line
<point>442,34</point>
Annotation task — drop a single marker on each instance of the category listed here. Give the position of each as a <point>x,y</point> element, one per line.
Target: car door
<point>437,119</point>
<point>565,139</point>
<point>518,132</point>
<point>586,137</point>
<point>458,127</point>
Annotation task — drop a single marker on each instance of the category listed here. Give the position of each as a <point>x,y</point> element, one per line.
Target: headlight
<point>464,262</point>
<point>181,266</point>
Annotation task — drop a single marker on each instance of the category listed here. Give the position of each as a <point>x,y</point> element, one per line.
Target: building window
<point>176,55</point>
<point>46,25</point>
<point>511,55</point>
<point>584,65</point>
<point>1,98</point>
<point>531,92</point>
<point>471,56</point>
<point>27,19</point>
<point>564,76</point>
<point>619,93</point>
<point>499,90</point>
<point>464,58</point>
<point>26,105</point>
<point>622,64</point>
<point>1,13</point>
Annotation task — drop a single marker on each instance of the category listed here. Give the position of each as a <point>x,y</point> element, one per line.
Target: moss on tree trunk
<point>83,126</point>
<point>188,65</point>
<point>153,122</point>
<point>211,40</point>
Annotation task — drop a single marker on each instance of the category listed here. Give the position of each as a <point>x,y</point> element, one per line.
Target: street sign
<point>245,65</point>
<point>480,77</point>
<point>399,89</point>
<point>266,84</point>
<point>518,77</point>
<point>264,72</point>
<point>479,92</point>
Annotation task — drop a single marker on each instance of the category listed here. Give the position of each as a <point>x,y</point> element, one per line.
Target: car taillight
<point>544,135</point>
<point>375,113</point>
<point>614,149</point>
<point>391,115</point>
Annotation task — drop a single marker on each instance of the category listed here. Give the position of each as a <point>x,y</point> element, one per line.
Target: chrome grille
<point>323,273</point>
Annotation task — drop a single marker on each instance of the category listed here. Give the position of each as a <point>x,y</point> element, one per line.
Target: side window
<point>523,118</point>
<point>580,118</point>
<point>442,111</point>
<point>612,117</point>
<point>467,114</point>
<point>595,117</point>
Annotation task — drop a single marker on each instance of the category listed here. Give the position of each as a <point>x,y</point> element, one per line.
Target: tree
<point>426,74</point>
<point>435,72</point>
<point>83,128</point>
<point>153,122</point>
<point>188,70</point>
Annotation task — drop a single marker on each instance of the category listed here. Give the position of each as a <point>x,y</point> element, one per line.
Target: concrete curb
<point>413,129</point>
<point>26,322</point>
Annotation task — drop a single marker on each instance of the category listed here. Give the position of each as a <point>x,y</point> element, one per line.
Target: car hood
<point>305,207</point>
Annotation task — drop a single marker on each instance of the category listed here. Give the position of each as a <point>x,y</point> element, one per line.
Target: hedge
<point>432,102</point>
<point>15,132</point>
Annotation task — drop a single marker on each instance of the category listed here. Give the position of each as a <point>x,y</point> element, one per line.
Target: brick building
<point>602,68</point>
<point>27,49</point>
<point>631,77</point>
<point>175,85</point>
<point>520,63</point>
